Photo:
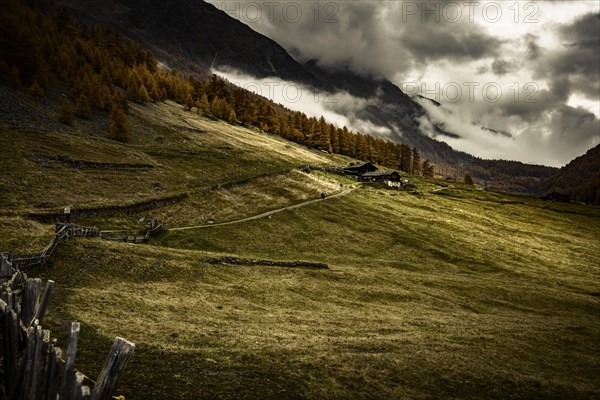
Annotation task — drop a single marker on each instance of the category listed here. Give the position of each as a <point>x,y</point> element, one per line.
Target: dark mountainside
<point>580,178</point>
<point>194,36</point>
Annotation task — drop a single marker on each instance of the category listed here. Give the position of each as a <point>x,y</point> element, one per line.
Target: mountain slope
<point>580,178</point>
<point>194,36</point>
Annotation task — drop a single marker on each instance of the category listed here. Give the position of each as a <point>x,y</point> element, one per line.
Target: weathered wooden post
<point>34,372</point>
<point>10,332</point>
<point>78,386</point>
<point>6,268</point>
<point>119,355</point>
<point>52,371</point>
<point>30,298</point>
<point>68,383</point>
<point>85,393</point>
<point>68,214</point>
<point>41,311</point>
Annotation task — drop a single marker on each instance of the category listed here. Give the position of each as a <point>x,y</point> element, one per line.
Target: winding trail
<point>265,214</point>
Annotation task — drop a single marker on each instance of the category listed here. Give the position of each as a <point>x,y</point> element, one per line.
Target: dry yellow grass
<point>187,151</point>
<point>428,296</point>
<point>435,293</point>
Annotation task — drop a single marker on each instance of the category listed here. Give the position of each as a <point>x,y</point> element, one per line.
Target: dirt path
<point>265,214</point>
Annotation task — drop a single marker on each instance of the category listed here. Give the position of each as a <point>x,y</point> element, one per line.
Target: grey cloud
<point>377,38</point>
<point>572,131</point>
<point>529,111</point>
<point>570,67</point>
<point>502,67</point>
<point>584,32</point>
<point>439,41</point>
<point>574,66</point>
<point>374,38</point>
<point>533,49</point>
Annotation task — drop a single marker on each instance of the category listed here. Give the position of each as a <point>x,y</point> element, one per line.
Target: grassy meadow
<point>442,291</point>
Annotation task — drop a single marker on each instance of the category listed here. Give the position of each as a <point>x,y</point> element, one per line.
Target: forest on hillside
<point>103,70</point>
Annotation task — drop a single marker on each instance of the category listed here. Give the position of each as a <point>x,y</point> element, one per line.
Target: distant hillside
<point>580,178</point>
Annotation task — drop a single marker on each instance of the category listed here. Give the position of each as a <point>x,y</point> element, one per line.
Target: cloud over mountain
<point>530,70</point>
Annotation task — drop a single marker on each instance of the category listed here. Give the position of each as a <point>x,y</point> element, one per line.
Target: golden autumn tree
<point>117,129</point>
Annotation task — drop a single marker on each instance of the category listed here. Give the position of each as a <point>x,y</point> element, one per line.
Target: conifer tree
<point>82,107</point>
<point>117,129</point>
<point>65,114</point>
<point>35,90</point>
<point>143,94</point>
<point>154,92</point>
<point>231,117</point>
<point>427,169</point>
<point>189,102</point>
<point>335,140</point>
<point>416,162</point>
<point>202,106</point>
<point>468,179</point>
<point>362,148</point>
<point>105,97</point>
<point>405,159</point>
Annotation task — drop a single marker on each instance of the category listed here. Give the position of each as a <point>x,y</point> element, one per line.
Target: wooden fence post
<point>78,386</point>
<point>52,371</point>
<point>34,373</point>
<point>29,302</point>
<point>26,369</point>
<point>43,365</point>
<point>12,331</point>
<point>68,382</point>
<point>85,393</point>
<point>41,311</point>
<point>120,353</point>
<point>6,269</point>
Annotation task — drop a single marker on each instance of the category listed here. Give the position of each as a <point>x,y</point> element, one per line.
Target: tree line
<point>103,71</point>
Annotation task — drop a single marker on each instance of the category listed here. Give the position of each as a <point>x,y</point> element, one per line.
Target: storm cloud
<point>543,60</point>
<point>371,37</point>
<point>575,63</point>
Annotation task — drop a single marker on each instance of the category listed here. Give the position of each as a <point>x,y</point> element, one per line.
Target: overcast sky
<point>527,69</point>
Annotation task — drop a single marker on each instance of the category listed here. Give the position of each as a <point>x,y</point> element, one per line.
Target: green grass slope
<point>187,153</point>
<point>455,293</point>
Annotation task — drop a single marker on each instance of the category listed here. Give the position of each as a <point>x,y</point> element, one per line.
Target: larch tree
<point>416,162</point>
<point>35,90</point>
<point>65,114</point>
<point>83,109</point>
<point>143,94</point>
<point>405,163</point>
<point>117,129</point>
<point>428,171</point>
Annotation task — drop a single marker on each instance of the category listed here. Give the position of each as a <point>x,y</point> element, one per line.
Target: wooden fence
<point>30,361</point>
<point>155,227</point>
<point>63,231</point>
<point>66,230</point>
